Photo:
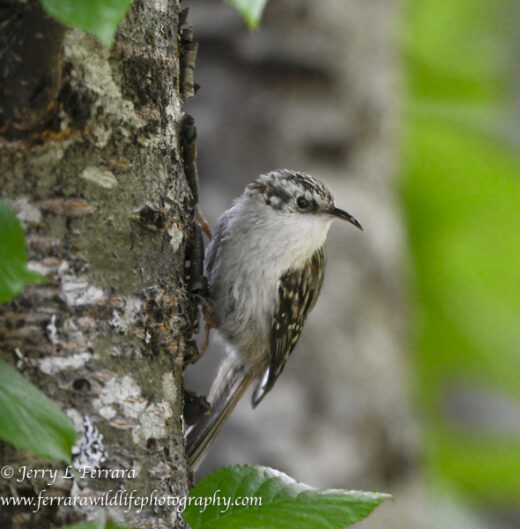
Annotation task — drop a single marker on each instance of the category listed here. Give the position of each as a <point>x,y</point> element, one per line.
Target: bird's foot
<point>203,222</point>
<point>210,323</point>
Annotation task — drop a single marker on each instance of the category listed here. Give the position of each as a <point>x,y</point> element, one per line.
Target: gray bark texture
<point>92,162</point>
<point>316,89</point>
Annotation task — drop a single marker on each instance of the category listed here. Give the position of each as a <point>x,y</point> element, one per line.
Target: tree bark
<point>98,180</point>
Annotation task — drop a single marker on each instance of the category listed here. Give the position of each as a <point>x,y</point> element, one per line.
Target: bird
<point>265,267</point>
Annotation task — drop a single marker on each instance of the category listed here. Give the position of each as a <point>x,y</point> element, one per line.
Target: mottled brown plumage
<point>298,292</point>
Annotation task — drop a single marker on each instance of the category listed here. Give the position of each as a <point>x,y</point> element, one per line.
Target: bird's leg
<point>193,351</point>
<point>208,311</point>
<point>203,222</point>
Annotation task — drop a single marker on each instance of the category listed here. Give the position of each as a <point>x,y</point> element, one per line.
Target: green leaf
<point>278,502</point>
<point>110,525</point>
<point>251,10</point>
<point>14,274</point>
<point>98,17</point>
<point>30,420</point>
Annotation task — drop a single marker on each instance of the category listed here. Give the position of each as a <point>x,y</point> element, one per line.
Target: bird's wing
<point>298,292</point>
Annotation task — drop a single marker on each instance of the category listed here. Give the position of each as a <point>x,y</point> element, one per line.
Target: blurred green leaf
<point>98,17</point>
<point>460,50</point>
<point>462,197</point>
<point>30,420</point>
<point>284,502</point>
<point>484,466</point>
<point>251,10</point>
<point>14,274</point>
<point>461,190</point>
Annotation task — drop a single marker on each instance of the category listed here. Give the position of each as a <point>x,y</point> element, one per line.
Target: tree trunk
<point>96,173</point>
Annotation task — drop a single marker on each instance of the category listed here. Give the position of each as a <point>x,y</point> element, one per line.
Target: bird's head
<point>297,194</point>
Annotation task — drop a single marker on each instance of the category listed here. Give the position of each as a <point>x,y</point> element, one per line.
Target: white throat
<point>280,241</point>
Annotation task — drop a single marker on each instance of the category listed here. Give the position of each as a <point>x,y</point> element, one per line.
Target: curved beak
<point>343,215</point>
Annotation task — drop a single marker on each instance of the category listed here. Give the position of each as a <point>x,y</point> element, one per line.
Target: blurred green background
<point>461,190</point>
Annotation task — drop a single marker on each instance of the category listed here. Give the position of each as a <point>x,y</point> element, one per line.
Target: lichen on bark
<point>108,212</point>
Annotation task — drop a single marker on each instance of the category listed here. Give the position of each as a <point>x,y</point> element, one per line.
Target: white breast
<point>261,244</point>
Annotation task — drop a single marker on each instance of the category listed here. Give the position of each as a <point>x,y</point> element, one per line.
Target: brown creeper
<point>265,267</point>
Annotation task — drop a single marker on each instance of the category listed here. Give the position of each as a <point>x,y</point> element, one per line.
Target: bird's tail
<point>228,388</point>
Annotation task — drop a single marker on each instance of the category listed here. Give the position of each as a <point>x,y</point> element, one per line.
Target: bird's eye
<point>302,202</point>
